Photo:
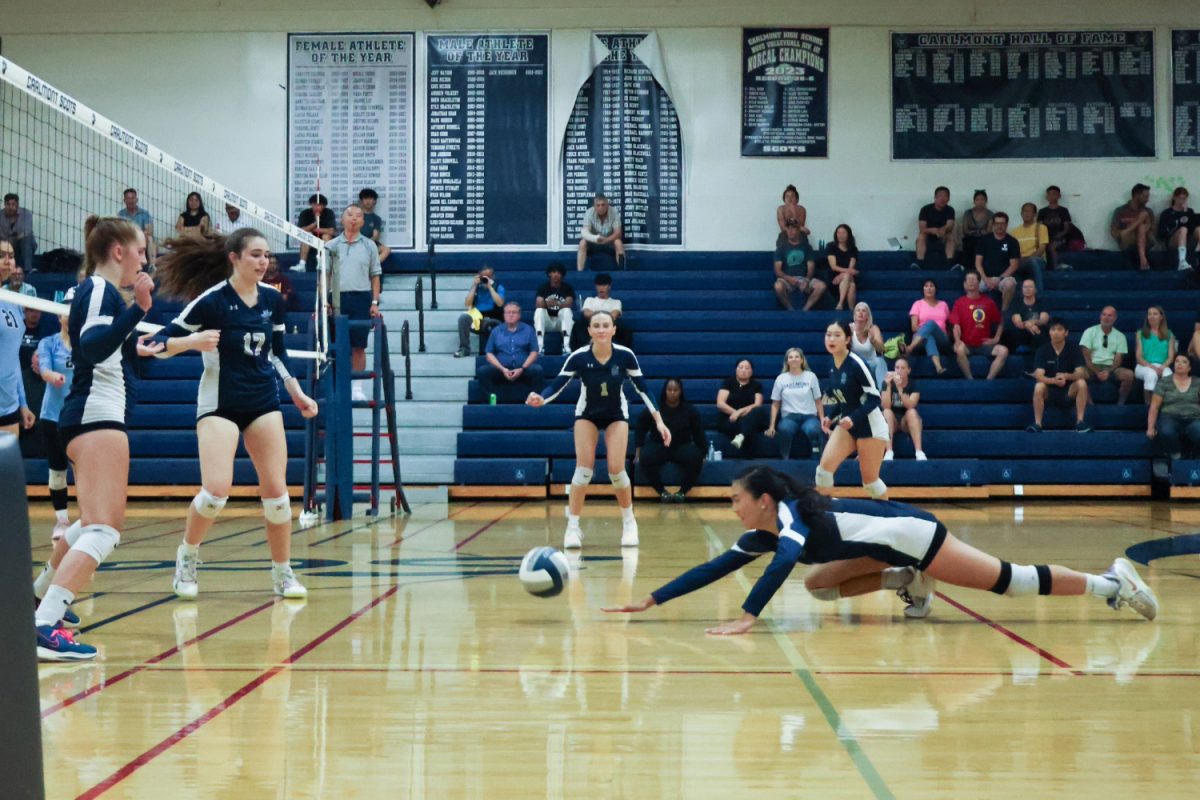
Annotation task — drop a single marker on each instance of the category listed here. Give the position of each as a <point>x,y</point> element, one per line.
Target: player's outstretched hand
<point>204,341</point>
<point>535,400</point>
<point>143,288</point>
<point>734,628</point>
<point>632,608</point>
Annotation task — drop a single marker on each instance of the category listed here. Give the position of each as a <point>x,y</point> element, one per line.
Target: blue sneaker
<point>54,643</point>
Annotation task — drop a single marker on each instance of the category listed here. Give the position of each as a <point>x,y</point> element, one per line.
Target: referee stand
<point>21,754</point>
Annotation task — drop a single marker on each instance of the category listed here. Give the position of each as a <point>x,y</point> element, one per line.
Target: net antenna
<point>66,161</point>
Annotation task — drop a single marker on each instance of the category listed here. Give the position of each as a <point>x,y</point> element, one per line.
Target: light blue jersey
<point>12,330</point>
<point>55,354</point>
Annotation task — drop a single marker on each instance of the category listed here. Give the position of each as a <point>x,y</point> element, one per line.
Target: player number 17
<point>254,343</point>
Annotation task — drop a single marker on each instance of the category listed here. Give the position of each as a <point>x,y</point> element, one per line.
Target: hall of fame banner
<point>1185,93</point>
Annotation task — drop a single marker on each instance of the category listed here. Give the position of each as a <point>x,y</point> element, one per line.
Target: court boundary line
<point>803,671</point>
<point>1011,634</point>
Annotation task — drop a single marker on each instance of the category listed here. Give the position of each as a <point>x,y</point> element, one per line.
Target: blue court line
<point>135,610</point>
<point>844,735</point>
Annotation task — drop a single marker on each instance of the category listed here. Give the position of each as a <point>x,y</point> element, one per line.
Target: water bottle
<point>718,455</point>
<point>492,399</point>
<point>711,451</point>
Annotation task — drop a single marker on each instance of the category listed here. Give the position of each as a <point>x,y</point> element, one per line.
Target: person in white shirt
<point>601,232</point>
<point>796,404</point>
<point>602,301</point>
<point>232,221</point>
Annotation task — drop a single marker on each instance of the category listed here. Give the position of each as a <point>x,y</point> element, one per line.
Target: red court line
<point>477,533</point>
<point>1016,637</point>
<point>120,676</point>
<point>187,730</point>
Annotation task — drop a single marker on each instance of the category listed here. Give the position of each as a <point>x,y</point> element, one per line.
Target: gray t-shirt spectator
<point>22,225</point>
<point>354,263</point>
<point>1181,405</point>
<point>593,224</point>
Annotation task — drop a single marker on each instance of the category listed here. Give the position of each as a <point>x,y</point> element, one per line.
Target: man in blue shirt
<point>512,353</point>
<point>140,217</point>
<point>485,304</point>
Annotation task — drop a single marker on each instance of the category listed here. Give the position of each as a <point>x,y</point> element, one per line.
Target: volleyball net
<point>65,161</point>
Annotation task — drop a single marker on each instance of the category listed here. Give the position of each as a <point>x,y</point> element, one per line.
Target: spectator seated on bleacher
<point>796,270</point>
<point>928,318</point>
<point>1178,227</point>
<point>1061,376</point>
<point>1133,226</point>
<point>796,406</point>
<point>935,227</point>
<point>601,232</point>
<point>555,301</point>
<point>276,279</point>
<point>978,328</point>
<point>790,212</point>
<point>511,359</point>
<point>1059,227</point>
<point>16,228</point>
<point>1032,240</point>
<point>976,223</point>
<point>602,300</point>
<point>1174,416</point>
<point>1104,349</point>
<point>998,261</point>
<point>319,220</point>
<point>1028,320</point>
<point>842,255</point>
<point>866,342</point>
<point>740,409</point>
<point>899,398</point>
<point>485,310</point>
<point>1155,350</point>
<point>16,283</point>
<point>688,442</point>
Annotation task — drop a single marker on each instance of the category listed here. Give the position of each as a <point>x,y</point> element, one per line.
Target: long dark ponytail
<point>780,486</point>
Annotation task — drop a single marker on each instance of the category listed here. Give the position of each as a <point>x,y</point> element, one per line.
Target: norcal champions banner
<point>623,139</point>
<point>1034,94</point>
<point>487,138</point>
<point>1185,92</point>
<point>350,124</point>
<point>785,92</point>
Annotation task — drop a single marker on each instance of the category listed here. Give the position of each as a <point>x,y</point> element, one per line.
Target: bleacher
<point>694,315</point>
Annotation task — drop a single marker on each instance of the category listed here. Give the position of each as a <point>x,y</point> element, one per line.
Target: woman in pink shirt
<point>928,316</point>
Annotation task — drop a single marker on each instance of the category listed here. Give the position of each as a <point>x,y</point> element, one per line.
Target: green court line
<point>801,667</point>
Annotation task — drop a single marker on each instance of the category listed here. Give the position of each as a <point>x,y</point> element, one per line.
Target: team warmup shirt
<point>240,374</point>
<point>894,533</point>
<point>54,354</point>
<point>600,394</point>
<point>852,391</point>
<point>104,382</point>
<point>12,331</point>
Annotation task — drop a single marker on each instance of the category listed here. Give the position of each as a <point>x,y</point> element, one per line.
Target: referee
<point>354,262</point>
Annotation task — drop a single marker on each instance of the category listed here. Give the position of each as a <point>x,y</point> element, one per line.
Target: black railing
<point>419,303</point>
<point>432,262</point>
<point>406,351</point>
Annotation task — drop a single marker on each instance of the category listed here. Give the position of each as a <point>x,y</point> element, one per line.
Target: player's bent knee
<point>823,478</point>
<point>207,504</point>
<point>277,510</point>
<point>826,594</point>
<point>876,488</point>
<point>72,533</point>
<point>582,476</point>
<point>57,480</point>
<point>97,541</point>
<point>619,480</point>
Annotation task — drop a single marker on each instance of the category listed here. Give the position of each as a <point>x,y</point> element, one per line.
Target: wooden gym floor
<point>418,668</point>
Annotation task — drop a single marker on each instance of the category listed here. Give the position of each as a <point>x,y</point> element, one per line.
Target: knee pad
<point>1019,580</point>
<point>277,510</point>
<point>824,478</point>
<point>72,534</point>
<point>97,541</point>
<point>582,476</point>
<point>58,480</point>
<point>619,480</point>
<point>826,594</point>
<point>207,504</point>
<point>876,488</point>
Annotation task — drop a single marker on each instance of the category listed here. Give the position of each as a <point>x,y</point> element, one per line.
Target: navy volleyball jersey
<point>240,375</point>
<point>103,388</point>
<point>895,533</point>
<point>852,393</point>
<point>600,393</point>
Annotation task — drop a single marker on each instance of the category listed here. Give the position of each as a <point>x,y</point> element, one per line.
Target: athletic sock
<point>1182,254</point>
<point>190,549</point>
<point>896,577</point>
<point>61,515</point>
<point>572,520</point>
<point>1102,586</point>
<point>627,513</point>
<point>50,611</point>
<point>43,581</point>
<point>282,567</point>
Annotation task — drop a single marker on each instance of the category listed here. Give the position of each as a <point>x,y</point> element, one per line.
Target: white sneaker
<point>286,584</point>
<point>888,455</point>
<point>921,456</point>
<point>1183,265</point>
<point>573,538</point>
<point>1133,592</point>
<point>357,394</point>
<point>629,533</point>
<point>186,587</point>
<point>918,595</point>
<point>738,440</point>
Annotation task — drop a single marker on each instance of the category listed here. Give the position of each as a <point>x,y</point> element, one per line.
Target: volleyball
<point>544,572</point>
